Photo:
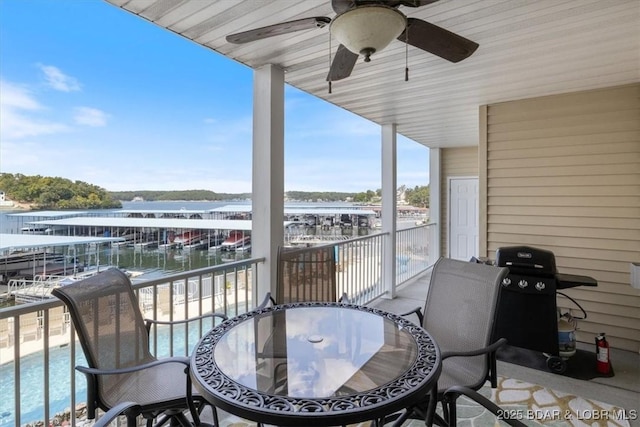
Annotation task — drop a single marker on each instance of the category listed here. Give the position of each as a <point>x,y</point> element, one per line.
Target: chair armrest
<point>191,319</point>
<point>130,409</point>
<point>267,299</point>
<point>418,312</point>
<point>454,392</point>
<point>94,371</point>
<point>489,349</point>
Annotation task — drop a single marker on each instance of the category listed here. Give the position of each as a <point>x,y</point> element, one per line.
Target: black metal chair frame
<point>163,411</point>
<point>447,397</point>
<point>128,409</point>
<point>453,393</point>
<point>290,259</point>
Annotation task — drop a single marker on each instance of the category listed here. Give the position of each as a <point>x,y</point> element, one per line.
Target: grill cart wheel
<point>557,364</point>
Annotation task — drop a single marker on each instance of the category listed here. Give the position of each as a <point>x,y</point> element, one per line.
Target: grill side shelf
<point>566,281</point>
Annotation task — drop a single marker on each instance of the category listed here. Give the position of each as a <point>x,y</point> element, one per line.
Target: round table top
<point>330,363</point>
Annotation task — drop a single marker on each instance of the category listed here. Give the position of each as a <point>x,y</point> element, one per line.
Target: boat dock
<point>38,252</point>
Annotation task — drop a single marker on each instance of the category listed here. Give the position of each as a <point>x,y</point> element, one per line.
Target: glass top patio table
<point>315,364</point>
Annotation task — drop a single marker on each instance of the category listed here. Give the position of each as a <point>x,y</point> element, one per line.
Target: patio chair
<point>459,313</point>
<point>129,409</point>
<point>306,275</point>
<point>452,394</point>
<point>115,340</point>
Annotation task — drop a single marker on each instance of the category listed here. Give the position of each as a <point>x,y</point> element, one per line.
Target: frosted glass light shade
<point>368,29</point>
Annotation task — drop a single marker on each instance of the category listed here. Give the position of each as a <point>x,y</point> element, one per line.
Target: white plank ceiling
<point>528,48</point>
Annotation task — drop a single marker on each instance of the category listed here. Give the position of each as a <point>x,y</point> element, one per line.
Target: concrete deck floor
<point>622,390</point>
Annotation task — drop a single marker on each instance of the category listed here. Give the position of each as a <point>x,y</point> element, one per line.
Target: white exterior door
<point>463,218</point>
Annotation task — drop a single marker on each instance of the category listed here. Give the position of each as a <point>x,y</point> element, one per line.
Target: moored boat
<point>12,263</point>
<point>236,239</point>
<point>63,267</point>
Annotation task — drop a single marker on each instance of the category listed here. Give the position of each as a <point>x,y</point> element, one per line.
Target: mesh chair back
<point>460,314</point>
<point>306,274</point>
<point>109,324</point>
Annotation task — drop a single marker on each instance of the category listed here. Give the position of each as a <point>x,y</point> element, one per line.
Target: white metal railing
<point>39,350</point>
<point>413,256</point>
<point>359,268</point>
<point>38,355</point>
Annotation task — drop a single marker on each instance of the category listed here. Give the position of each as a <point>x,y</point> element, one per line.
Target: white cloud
<point>57,80</point>
<point>90,117</point>
<point>14,96</point>
<point>17,109</point>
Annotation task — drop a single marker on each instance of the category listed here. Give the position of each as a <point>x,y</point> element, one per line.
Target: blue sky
<point>92,93</point>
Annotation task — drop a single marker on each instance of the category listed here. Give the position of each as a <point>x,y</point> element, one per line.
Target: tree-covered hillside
<point>325,196</point>
<point>418,196</point>
<point>60,193</point>
<point>42,192</point>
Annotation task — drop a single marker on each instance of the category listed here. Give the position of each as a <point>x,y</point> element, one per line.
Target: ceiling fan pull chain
<point>406,54</point>
<point>329,62</point>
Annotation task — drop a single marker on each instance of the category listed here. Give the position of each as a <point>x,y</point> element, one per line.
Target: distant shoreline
<point>16,206</point>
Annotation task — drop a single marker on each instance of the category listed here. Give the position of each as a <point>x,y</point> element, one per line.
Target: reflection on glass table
<point>315,364</point>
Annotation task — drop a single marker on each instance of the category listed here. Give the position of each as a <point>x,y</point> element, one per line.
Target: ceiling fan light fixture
<point>367,29</point>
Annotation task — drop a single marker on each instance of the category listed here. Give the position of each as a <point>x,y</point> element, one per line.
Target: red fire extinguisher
<point>603,364</point>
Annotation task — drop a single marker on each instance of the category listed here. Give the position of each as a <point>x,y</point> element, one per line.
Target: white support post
<point>389,210</point>
<point>435,199</point>
<point>267,197</point>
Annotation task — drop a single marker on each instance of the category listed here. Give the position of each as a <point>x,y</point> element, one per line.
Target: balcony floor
<point>622,390</point>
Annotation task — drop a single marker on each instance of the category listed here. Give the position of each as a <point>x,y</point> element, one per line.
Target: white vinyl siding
<point>563,173</point>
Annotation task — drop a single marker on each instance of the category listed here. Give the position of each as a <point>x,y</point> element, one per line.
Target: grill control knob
<point>506,281</point>
<point>523,283</point>
<point>540,286</point>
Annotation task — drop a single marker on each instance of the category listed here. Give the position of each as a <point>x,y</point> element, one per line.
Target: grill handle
<point>522,265</point>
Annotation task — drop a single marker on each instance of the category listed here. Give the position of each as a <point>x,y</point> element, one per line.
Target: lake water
<point>156,263</point>
<point>152,263</point>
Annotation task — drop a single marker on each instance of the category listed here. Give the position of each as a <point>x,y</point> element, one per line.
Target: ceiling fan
<point>364,27</point>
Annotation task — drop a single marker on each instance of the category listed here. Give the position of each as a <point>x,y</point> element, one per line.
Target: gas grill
<point>527,311</point>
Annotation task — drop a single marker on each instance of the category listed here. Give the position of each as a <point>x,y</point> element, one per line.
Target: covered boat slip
<point>23,221</point>
<point>106,223</point>
<point>13,242</point>
<point>309,214</point>
<point>311,209</point>
<point>40,252</point>
<point>152,232</point>
<point>158,228</point>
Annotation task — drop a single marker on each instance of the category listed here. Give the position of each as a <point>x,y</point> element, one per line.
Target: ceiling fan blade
<point>410,3</point>
<point>278,29</point>
<point>340,6</point>
<point>342,64</point>
<point>437,41</point>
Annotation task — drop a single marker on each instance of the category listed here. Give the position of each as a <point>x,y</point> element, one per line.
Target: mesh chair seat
<point>459,313</point>
<point>306,274</point>
<point>115,337</point>
<point>159,386</point>
<point>454,375</point>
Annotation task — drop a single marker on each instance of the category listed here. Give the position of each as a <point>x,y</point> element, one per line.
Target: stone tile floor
<point>532,404</point>
<point>536,398</point>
